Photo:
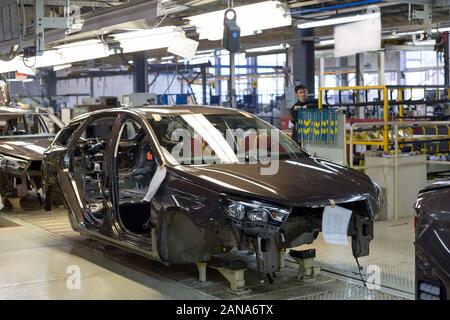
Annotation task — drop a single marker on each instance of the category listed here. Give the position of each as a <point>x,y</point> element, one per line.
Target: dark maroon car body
<point>433,242</point>
<point>24,136</point>
<point>188,220</point>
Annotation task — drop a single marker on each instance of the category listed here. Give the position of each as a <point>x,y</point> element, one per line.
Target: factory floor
<point>39,254</point>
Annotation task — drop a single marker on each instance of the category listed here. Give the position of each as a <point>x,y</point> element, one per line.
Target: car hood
<point>306,182</point>
<point>27,148</point>
<point>434,198</point>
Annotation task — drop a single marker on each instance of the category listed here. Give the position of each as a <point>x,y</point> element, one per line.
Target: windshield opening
<point>24,124</point>
<point>194,139</point>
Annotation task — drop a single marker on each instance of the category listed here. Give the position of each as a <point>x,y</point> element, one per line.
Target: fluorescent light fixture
<point>62,67</point>
<point>82,51</point>
<point>205,52</point>
<point>149,39</point>
<point>168,58</point>
<point>251,19</point>
<point>326,42</point>
<point>410,33</point>
<point>423,43</point>
<point>341,20</point>
<point>203,56</point>
<point>135,41</point>
<point>268,48</point>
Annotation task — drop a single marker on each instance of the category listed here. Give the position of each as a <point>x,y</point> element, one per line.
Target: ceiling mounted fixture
<point>340,20</point>
<point>282,46</point>
<point>129,42</point>
<point>148,39</point>
<point>251,19</point>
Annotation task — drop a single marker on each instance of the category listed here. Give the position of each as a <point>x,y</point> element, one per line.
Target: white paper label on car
<point>156,182</point>
<point>335,222</point>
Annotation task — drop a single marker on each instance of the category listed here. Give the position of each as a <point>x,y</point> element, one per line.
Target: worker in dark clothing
<point>302,103</point>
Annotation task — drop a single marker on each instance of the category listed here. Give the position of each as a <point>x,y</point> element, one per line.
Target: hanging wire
<point>360,274</point>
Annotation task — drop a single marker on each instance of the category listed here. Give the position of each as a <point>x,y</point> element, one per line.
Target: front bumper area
<point>302,227</point>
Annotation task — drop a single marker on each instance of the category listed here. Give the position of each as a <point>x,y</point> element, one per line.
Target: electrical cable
<point>29,66</point>
<point>359,271</point>
<point>169,85</point>
<point>161,21</point>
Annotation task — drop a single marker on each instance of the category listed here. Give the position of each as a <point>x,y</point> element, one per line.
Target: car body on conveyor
<point>24,135</point>
<point>432,243</point>
<point>127,180</point>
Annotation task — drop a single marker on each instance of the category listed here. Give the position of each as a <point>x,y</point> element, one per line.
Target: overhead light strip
<point>341,20</point>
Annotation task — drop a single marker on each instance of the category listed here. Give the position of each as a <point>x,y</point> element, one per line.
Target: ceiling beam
<point>442,3</point>
<point>414,1</point>
<point>97,4</point>
<point>105,19</point>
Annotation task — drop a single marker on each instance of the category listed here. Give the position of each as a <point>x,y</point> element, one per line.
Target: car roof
<point>12,110</point>
<point>167,110</point>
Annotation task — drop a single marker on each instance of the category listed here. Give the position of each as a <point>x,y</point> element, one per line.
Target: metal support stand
<point>201,266</point>
<point>235,278</point>
<point>282,259</point>
<point>15,203</point>
<point>305,261</point>
<point>306,269</point>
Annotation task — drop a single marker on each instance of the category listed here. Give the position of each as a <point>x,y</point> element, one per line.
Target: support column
<point>91,86</point>
<point>218,73</point>
<point>232,81</point>
<point>402,68</point>
<point>50,88</point>
<point>381,68</point>
<point>91,64</point>
<point>446,38</point>
<point>446,59</point>
<point>321,72</point>
<point>141,72</point>
<point>343,65</point>
<point>253,63</point>
<point>303,58</point>
<point>359,61</point>
<point>204,80</point>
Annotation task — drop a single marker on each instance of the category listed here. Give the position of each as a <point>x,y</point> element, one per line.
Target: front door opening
<point>135,167</point>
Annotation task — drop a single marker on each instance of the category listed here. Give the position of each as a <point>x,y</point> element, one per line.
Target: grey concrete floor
<point>39,251</point>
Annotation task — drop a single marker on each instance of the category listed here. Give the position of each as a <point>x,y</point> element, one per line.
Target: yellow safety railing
<point>385,104</point>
